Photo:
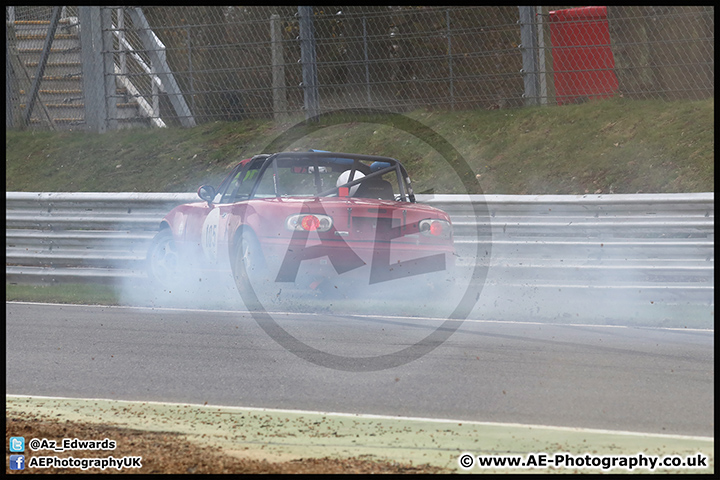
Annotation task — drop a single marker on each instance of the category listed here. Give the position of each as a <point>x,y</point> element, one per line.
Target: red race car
<point>307,219</point>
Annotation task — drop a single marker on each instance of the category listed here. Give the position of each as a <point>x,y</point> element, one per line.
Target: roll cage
<point>244,182</point>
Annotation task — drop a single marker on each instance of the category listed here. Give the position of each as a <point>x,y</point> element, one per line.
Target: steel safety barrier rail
<point>642,246</point>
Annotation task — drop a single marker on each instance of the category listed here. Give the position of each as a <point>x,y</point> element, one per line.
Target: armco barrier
<point>646,249</point>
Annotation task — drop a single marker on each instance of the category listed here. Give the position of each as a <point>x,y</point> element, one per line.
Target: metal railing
<point>102,68</point>
<point>633,250</point>
<point>229,63</point>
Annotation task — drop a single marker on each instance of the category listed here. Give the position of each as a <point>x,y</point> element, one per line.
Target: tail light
<point>435,228</point>
<point>309,222</point>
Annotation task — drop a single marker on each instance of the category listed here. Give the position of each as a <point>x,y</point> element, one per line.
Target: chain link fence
<point>110,67</point>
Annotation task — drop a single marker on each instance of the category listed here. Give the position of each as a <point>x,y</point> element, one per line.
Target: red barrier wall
<point>582,59</point>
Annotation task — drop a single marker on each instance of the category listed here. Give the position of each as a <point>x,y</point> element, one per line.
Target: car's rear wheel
<point>163,259</point>
<point>248,265</point>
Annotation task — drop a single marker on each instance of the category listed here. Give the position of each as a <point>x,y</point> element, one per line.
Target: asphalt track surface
<point>615,378</point>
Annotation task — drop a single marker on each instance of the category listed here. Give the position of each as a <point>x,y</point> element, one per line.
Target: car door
<point>226,213</point>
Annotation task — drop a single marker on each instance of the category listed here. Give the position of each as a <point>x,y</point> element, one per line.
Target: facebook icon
<point>17,462</point>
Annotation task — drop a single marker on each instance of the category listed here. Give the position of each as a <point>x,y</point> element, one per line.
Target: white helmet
<point>345,178</point>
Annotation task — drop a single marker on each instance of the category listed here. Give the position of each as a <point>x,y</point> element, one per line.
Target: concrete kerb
<point>282,435</point>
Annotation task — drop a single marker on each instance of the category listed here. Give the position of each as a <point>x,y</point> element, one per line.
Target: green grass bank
<point>611,146</point>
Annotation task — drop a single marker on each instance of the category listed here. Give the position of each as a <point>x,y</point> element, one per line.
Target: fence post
<point>13,116</point>
<point>542,70</point>
<point>122,57</point>
<point>191,79</point>
<point>366,61</point>
<point>309,62</point>
<point>278,69</point>
<point>450,60</point>
<point>92,67</point>
<point>108,55</point>
<point>528,39</point>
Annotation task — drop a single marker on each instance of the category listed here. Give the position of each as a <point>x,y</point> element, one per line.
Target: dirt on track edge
<point>172,453</point>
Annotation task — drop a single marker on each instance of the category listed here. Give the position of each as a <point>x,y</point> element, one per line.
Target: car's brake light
<point>309,222</point>
<point>435,228</point>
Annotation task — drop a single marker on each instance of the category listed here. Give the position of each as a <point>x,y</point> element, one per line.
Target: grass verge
<point>611,146</point>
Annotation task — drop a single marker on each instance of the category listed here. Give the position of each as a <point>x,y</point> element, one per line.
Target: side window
<point>243,190</point>
<point>240,186</point>
<point>232,187</point>
<point>266,185</point>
